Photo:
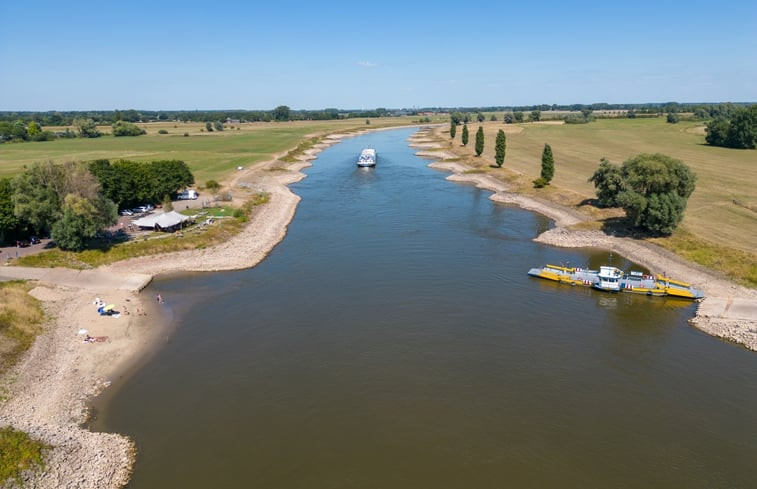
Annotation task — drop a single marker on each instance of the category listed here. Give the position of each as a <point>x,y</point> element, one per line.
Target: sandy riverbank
<point>728,312</point>
<point>47,393</point>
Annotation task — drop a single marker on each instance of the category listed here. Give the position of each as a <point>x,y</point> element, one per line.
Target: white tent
<point>165,221</point>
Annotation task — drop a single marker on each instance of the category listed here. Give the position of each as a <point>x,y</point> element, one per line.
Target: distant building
<point>229,120</point>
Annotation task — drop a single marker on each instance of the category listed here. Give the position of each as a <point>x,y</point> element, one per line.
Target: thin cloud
<point>367,64</point>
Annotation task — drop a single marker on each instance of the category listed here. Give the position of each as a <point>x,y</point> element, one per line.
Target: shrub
<point>162,131</point>
<point>540,183</point>
<point>123,128</point>
<point>19,452</point>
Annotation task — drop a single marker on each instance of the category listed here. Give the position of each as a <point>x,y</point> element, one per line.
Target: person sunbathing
<point>95,339</point>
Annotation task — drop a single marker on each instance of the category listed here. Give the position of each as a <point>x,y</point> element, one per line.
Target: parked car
<point>34,240</point>
<point>22,243</point>
<point>127,212</point>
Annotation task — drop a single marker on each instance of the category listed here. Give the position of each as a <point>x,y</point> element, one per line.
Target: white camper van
<point>188,195</point>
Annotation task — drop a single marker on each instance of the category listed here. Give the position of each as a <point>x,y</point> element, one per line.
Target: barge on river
<point>367,158</point>
<point>612,279</point>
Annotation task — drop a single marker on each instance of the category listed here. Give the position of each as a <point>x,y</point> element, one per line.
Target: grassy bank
<point>719,229</point>
<point>20,322</point>
<point>18,452</point>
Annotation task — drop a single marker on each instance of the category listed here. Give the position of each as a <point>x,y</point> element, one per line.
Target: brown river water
<point>394,340</point>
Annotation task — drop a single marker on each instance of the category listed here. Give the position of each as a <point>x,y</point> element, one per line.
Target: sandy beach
<point>47,394</point>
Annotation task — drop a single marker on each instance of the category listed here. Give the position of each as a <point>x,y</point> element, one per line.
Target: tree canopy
<point>130,183</point>
<point>63,199</point>
<point>652,188</point>
<point>738,130</point>
<point>464,137</point>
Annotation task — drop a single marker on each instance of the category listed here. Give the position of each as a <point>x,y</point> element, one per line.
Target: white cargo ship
<point>367,157</point>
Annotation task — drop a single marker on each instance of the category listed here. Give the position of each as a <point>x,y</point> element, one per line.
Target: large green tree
<point>652,188</point>
<point>281,113</point>
<point>547,164</point>
<point>738,131</point>
<point>63,199</point>
<point>500,146</point>
<point>452,129</point>
<point>479,141</point>
<point>464,137</point>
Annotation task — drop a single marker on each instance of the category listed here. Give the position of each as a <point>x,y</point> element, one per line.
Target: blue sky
<point>83,55</point>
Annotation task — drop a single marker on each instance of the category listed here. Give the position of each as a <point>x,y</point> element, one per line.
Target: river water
<point>394,340</point>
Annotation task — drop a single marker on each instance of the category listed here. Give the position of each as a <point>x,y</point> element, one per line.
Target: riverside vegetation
<point>20,322</point>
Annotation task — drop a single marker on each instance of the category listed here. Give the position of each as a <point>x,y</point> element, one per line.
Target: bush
<point>186,134</point>
<point>162,131</point>
<point>123,128</point>
<point>540,183</point>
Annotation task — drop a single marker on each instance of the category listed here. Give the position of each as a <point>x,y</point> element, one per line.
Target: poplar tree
<point>452,129</point>
<point>499,148</point>
<point>479,141</point>
<point>547,164</point>
<point>465,134</point>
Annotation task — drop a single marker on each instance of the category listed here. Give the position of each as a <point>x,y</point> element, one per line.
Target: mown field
<point>722,211</point>
<point>210,155</point>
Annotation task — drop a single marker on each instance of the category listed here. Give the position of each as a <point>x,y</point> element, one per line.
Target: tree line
<point>109,117</point>
<point>73,201</point>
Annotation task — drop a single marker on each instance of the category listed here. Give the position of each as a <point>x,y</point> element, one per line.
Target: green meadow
<point>210,155</point>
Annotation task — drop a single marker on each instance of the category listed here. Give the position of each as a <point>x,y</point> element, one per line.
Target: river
<point>394,340</point>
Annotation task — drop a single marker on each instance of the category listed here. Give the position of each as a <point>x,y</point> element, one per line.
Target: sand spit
<point>46,395</point>
<point>728,312</point>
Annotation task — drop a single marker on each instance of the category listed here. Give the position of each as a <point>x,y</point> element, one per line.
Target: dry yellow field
<point>722,210</point>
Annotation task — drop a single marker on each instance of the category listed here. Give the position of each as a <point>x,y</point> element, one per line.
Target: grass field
<point>722,211</point>
<point>210,155</point>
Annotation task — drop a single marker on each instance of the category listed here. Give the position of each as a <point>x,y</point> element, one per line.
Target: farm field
<point>210,155</point>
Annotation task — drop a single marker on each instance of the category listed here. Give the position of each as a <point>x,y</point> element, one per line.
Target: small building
<point>166,221</point>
